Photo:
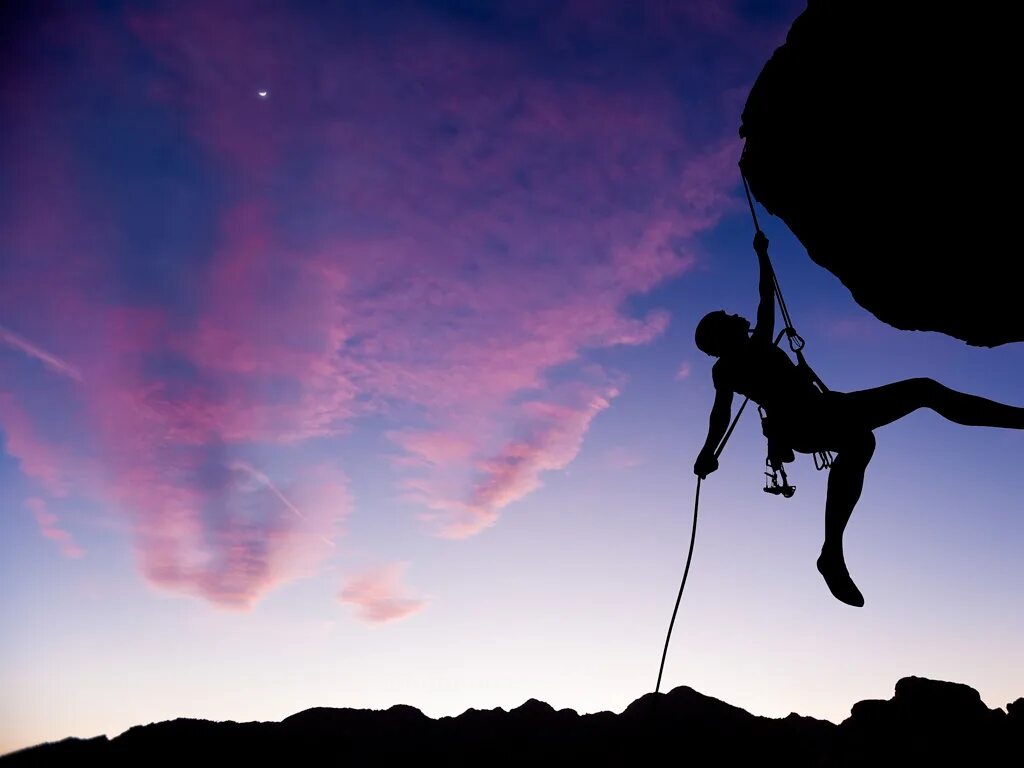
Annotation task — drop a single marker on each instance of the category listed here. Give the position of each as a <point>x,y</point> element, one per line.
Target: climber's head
<point>718,333</point>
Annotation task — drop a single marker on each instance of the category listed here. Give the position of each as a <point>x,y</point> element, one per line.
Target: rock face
<point>942,722</point>
<point>884,135</point>
<point>926,723</point>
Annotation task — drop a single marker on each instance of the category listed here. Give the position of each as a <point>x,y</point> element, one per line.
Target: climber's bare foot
<point>833,568</point>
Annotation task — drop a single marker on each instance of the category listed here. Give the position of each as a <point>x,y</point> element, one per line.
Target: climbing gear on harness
<point>779,454</point>
<point>772,484</point>
<point>822,459</point>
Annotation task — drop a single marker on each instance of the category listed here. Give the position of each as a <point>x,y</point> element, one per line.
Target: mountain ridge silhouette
<point>926,722</point>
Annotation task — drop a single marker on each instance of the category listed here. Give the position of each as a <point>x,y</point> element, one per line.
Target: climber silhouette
<point>807,420</point>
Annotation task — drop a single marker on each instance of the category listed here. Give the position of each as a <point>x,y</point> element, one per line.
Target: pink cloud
<point>379,595</point>
<point>49,526</point>
<point>684,371</point>
<point>38,459</point>
<point>240,536</point>
<point>545,435</point>
<point>433,448</point>
<point>427,227</point>
<point>457,308</point>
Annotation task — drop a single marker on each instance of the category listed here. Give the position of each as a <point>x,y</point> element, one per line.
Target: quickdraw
<point>776,482</point>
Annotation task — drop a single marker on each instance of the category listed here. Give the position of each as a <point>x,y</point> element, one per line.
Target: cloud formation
<point>49,526</point>
<point>548,435</point>
<point>430,223</point>
<point>379,595</point>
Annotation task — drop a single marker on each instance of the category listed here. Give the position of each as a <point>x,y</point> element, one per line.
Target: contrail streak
<point>269,485</point>
<point>54,363</point>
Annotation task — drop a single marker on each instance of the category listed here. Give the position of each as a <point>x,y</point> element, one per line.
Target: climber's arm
<point>718,424</point>
<point>764,329</point>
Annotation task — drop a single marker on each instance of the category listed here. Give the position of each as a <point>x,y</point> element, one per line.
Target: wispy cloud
<point>542,435</point>
<point>38,458</point>
<point>49,526</point>
<point>550,438</point>
<point>684,371</point>
<point>425,221</point>
<point>379,595</point>
<point>228,539</point>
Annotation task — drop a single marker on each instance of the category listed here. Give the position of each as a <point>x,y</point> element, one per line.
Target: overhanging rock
<point>884,135</point>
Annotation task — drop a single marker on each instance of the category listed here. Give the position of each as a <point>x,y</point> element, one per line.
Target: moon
<point>263,94</point>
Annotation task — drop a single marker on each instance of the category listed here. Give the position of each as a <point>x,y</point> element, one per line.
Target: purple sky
<point>402,351</point>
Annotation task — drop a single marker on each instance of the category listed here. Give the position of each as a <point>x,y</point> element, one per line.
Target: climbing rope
<point>796,342</point>
<point>822,459</point>
<point>693,538</point>
<point>679,597</point>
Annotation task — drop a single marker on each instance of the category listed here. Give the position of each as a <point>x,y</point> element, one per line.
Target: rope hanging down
<point>822,459</point>
<point>693,538</point>
<point>679,597</point>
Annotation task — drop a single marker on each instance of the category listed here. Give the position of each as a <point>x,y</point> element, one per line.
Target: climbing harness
<point>778,456</point>
<point>776,482</point>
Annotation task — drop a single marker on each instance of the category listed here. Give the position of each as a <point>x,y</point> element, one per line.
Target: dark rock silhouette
<point>926,723</point>
<point>929,718</point>
<point>875,133</point>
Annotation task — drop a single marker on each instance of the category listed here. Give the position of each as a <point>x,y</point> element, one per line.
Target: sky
<point>346,359</point>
